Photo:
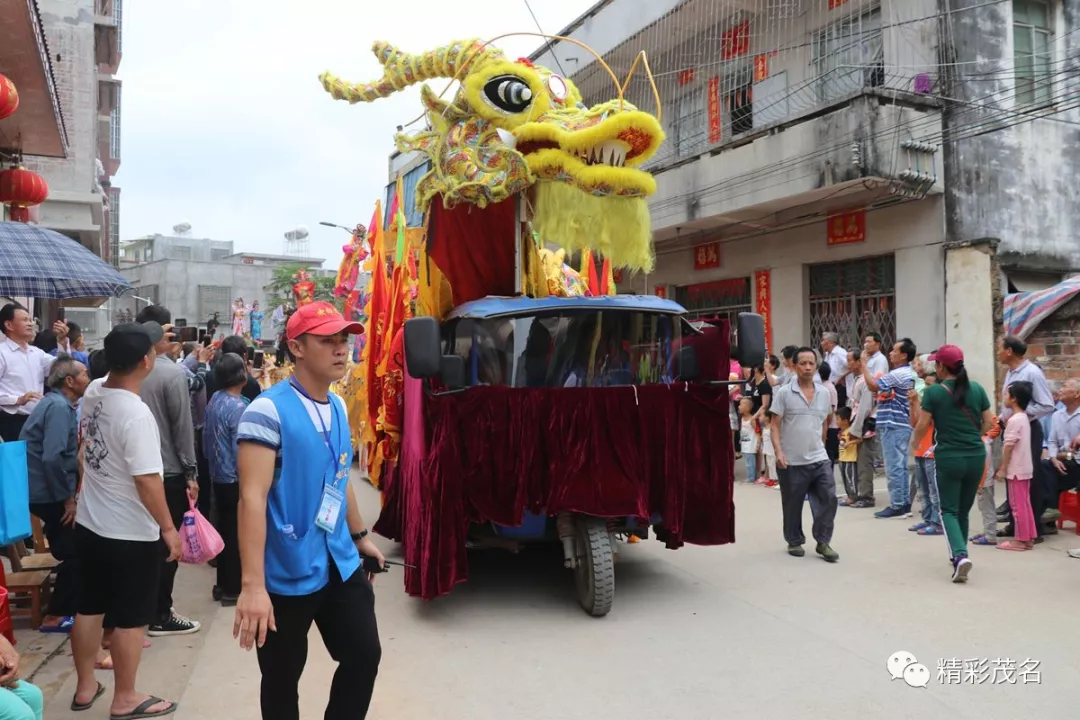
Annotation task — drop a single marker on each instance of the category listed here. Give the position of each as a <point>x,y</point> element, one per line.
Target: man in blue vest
<point>300,529</point>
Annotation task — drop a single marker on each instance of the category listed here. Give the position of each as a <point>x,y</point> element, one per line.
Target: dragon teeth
<point>611,152</point>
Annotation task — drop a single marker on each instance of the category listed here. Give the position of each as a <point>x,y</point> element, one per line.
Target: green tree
<point>280,288</point>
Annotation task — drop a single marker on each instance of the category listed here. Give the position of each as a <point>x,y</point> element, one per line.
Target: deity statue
<point>257,316</point>
<point>239,310</point>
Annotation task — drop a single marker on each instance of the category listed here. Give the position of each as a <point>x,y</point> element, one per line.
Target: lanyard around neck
<point>322,423</point>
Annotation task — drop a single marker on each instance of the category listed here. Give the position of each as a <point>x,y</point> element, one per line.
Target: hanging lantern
<point>20,188</point>
<point>9,97</point>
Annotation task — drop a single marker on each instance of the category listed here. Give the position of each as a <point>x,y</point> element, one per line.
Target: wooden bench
<point>32,587</point>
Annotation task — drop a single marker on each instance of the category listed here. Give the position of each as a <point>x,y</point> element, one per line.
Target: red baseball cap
<point>948,355</point>
<point>319,318</point>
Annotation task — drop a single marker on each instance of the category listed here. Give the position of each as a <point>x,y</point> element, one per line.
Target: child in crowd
<point>849,456</point>
<point>987,506</point>
<point>925,477</point>
<point>1016,467</point>
<point>768,478</point>
<point>748,433</point>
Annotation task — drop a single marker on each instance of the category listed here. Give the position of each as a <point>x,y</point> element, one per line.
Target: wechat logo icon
<point>902,665</point>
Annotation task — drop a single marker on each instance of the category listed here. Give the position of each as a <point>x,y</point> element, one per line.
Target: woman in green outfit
<point>960,411</point>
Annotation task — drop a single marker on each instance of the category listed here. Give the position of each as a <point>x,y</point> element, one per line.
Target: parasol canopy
<point>40,263</point>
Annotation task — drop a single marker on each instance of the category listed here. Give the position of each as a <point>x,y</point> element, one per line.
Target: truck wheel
<point>595,572</point>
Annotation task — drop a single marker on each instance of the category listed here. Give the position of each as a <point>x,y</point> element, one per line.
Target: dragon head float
<point>515,127</point>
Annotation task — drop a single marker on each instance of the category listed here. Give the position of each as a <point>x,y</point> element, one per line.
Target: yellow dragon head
<point>513,126</point>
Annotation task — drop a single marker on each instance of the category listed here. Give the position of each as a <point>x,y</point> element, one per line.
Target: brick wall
<point>1055,344</point>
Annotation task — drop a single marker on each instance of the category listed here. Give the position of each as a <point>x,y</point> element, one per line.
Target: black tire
<point>595,573</point>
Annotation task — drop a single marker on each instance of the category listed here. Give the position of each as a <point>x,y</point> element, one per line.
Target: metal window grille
<point>181,252</point>
<point>853,298</point>
<point>722,299</point>
<point>114,128</point>
<point>118,15</point>
<point>849,55</point>
<point>150,292</point>
<point>214,299</point>
<point>724,68</point>
<point>1032,38</point>
<point>218,254</point>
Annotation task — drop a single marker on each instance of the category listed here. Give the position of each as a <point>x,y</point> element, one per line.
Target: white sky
<point>226,126</point>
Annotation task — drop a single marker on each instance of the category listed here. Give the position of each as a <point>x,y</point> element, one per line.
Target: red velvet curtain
<point>474,248</point>
<point>495,452</point>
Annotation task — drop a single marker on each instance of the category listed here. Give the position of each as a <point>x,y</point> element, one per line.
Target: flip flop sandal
<point>931,530</point>
<point>141,712</point>
<point>63,627</point>
<point>1012,546</point>
<point>982,540</point>
<point>79,707</point>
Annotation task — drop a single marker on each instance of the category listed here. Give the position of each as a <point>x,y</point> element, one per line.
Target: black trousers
<point>227,499</point>
<point>832,444</point>
<point>344,612</point>
<point>177,499</point>
<point>62,546</point>
<point>1057,483</point>
<point>11,426</point>
<point>206,487</point>
<point>1038,481</point>
<point>817,481</point>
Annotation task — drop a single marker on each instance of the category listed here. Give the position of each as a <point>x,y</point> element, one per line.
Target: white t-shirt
<point>749,437</point>
<point>120,441</point>
<point>766,442</point>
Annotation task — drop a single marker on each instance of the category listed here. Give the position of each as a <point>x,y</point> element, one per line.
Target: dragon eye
<point>509,93</point>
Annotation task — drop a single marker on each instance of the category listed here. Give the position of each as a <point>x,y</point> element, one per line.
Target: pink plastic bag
<point>199,541</point>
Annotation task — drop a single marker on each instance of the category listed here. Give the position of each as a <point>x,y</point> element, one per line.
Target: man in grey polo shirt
<point>801,410</point>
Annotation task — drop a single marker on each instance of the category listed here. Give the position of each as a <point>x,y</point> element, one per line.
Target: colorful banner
<point>715,128</point>
<point>846,228</point>
<point>763,301</point>
<point>736,41</point>
<point>707,256</point>
<point>660,291</point>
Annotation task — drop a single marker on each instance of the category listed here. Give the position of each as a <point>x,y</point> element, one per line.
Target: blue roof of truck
<point>490,307</point>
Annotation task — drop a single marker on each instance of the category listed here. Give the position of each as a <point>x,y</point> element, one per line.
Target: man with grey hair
<point>52,465</point>
<point>837,359</point>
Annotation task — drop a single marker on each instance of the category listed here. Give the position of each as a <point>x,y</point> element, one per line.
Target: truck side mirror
<point>423,353</point>
<point>452,371</point>
<point>687,364</point>
<point>750,336</point>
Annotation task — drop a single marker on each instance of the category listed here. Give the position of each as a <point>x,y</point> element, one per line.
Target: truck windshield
<point>569,349</point>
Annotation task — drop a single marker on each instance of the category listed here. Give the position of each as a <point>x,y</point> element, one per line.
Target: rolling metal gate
<point>852,299</point>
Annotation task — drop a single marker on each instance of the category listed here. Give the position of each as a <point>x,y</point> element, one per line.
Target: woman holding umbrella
<point>960,411</point>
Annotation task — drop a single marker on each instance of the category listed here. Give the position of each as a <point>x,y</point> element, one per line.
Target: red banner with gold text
<point>763,302</point>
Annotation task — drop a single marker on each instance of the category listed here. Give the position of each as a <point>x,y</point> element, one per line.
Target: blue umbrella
<point>40,263</point>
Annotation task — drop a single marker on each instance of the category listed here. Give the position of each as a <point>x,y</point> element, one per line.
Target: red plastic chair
<point>1069,505</point>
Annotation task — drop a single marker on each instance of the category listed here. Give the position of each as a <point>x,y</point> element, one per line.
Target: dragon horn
<point>402,69</point>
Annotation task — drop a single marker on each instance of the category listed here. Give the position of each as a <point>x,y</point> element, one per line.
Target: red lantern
<point>9,97</point>
<point>20,188</point>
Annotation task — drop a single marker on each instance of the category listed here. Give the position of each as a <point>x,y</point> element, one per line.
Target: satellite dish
<point>299,233</point>
<point>182,229</point>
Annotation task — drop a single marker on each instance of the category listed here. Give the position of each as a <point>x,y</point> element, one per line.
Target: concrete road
<point>743,631</point>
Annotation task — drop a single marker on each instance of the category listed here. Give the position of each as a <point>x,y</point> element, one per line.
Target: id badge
<point>329,508</point>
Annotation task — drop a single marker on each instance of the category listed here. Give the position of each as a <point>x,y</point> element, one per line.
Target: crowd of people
<point>807,417</point>
<point>124,441</point>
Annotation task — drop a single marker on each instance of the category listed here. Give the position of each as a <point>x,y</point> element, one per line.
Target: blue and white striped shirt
<point>261,423</point>
<point>893,407</point>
